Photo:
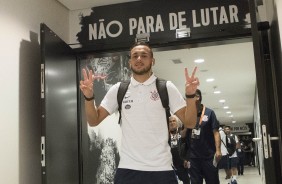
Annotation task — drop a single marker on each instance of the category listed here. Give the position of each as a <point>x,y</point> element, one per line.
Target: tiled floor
<point>251,175</point>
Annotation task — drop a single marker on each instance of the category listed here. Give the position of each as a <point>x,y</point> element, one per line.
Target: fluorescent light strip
<point>210,80</point>
<point>222,101</point>
<point>199,60</point>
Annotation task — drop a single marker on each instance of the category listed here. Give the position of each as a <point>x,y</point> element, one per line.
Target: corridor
<point>251,175</point>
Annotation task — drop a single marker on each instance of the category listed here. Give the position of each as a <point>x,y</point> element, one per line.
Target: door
<point>59,145</point>
<point>267,97</point>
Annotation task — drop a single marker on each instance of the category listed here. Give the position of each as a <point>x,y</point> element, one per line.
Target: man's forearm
<point>217,140</point>
<point>91,113</point>
<point>190,113</point>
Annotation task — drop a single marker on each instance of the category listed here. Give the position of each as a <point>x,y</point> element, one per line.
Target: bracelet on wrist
<point>89,99</point>
<point>190,96</point>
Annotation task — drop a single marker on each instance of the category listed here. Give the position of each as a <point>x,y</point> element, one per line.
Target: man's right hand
<point>86,85</point>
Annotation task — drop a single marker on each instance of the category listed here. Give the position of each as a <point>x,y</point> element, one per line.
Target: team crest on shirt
<point>205,118</point>
<point>155,95</point>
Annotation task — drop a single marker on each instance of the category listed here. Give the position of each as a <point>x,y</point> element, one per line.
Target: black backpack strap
<point>120,95</point>
<point>223,143</point>
<point>162,90</point>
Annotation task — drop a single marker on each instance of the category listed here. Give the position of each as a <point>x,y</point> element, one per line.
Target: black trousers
<point>128,176</point>
<point>240,165</point>
<point>201,169</point>
<point>182,174</point>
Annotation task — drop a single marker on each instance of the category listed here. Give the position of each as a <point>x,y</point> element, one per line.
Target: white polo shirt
<point>144,143</point>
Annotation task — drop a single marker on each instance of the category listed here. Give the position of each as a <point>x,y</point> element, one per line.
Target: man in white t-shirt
<point>224,159</point>
<point>233,158</point>
<point>145,155</point>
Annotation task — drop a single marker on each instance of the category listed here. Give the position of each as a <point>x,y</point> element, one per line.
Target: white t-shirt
<point>144,143</point>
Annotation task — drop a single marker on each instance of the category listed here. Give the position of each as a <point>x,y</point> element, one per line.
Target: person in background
<point>177,138</point>
<point>204,148</point>
<point>223,163</point>
<point>248,149</point>
<point>233,158</point>
<point>241,158</point>
<point>145,156</point>
<point>252,155</point>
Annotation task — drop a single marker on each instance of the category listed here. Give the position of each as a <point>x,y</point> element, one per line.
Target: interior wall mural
<point>101,154</point>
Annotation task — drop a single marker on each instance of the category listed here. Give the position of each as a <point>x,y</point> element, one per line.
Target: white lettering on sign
<point>119,30</point>
<point>219,16</point>
<point>103,31</point>
<point>176,21</point>
<point>233,10</point>
<point>150,25</point>
<point>240,128</point>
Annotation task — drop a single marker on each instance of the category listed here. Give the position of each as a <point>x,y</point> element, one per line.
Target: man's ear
<point>153,61</point>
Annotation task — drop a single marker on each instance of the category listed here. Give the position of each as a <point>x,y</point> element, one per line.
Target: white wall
<point>20,127</point>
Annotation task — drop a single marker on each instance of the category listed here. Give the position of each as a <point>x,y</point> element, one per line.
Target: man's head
<point>174,123</point>
<point>227,130</point>
<point>141,58</point>
<point>198,94</point>
<point>142,44</point>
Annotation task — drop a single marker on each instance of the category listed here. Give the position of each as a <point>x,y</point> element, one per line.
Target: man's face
<point>198,102</point>
<point>172,124</point>
<point>227,130</point>
<point>141,60</point>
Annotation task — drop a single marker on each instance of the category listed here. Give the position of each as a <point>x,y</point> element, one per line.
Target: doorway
<point>226,72</point>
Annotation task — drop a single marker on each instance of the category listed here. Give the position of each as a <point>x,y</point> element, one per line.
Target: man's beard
<point>143,71</point>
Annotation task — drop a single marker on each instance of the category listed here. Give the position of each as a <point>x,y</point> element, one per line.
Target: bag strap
<point>162,90</point>
<point>120,95</point>
<point>223,143</point>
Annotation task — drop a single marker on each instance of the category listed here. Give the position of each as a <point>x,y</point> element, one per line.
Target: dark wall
<point>276,58</point>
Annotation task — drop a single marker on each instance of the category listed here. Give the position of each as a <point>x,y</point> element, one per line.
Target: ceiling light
<point>210,80</point>
<point>215,91</point>
<point>199,60</point>
<point>225,107</point>
<point>222,101</point>
<point>228,112</point>
<point>233,121</point>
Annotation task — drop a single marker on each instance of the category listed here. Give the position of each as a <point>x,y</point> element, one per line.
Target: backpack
<point>230,145</point>
<point>161,88</point>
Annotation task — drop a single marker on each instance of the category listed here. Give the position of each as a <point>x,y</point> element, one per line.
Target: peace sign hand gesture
<point>86,85</point>
<point>191,82</point>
